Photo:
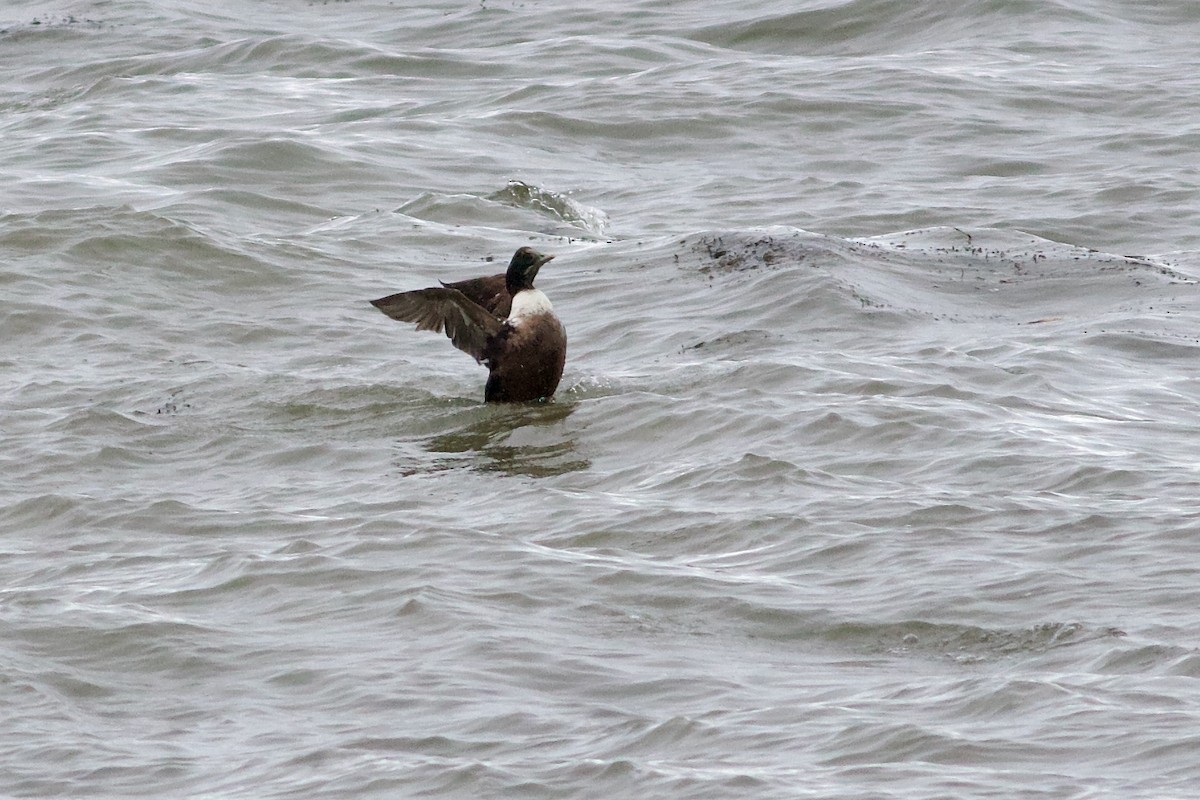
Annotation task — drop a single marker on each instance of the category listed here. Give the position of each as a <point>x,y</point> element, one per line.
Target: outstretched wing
<point>489,292</point>
<point>467,324</point>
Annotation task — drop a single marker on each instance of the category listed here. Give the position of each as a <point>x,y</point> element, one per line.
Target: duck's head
<point>523,269</point>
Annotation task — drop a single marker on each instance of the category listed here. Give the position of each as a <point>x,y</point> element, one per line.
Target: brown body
<point>500,320</point>
<point>525,360</point>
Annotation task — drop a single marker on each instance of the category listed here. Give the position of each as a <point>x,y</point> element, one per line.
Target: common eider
<point>500,320</point>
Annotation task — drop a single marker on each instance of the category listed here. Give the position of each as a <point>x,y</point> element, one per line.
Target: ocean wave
<point>518,207</point>
<point>874,26</point>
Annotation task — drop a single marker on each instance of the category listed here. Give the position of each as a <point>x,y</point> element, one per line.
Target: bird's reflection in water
<point>517,439</point>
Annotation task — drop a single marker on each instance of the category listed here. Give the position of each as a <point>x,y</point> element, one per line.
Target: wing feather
<point>489,292</point>
<point>467,324</point>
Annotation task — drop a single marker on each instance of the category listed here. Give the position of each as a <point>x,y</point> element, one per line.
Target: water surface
<point>873,470</point>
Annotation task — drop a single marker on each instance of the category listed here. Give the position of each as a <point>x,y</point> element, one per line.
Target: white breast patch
<point>529,303</point>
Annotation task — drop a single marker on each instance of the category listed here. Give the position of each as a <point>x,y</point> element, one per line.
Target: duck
<point>502,321</point>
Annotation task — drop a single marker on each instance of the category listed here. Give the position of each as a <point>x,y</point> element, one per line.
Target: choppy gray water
<point>874,473</point>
